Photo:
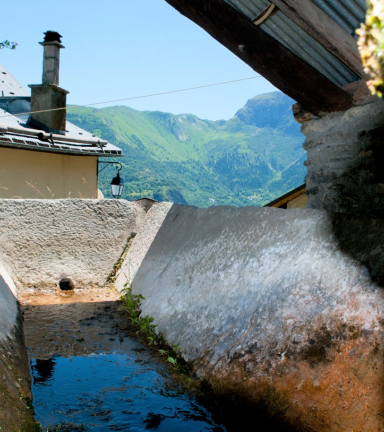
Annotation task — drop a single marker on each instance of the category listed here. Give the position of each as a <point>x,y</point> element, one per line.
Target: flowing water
<point>90,374</point>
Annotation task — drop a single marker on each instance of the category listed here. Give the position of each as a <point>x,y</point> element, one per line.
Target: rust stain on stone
<point>334,383</point>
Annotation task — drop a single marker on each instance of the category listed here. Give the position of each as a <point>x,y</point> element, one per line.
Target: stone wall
<point>44,240</point>
<point>345,161</point>
<point>283,307</point>
<point>15,383</point>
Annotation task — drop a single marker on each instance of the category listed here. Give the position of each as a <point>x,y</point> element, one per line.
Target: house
<point>41,154</point>
<point>295,198</point>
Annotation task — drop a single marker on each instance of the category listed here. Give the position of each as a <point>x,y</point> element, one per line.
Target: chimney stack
<point>48,96</point>
<point>51,62</point>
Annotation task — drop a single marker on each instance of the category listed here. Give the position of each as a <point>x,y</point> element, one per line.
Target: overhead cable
<point>135,97</point>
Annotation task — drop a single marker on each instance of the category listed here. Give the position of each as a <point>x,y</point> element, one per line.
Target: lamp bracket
<point>119,168</point>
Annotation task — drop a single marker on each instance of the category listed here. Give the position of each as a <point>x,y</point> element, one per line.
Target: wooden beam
<point>294,77</point>
<point>325,30</point>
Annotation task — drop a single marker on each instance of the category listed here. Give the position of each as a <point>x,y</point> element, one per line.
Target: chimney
<point>48,96</point>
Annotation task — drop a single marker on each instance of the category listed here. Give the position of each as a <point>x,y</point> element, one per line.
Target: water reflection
<point>42,370</point>
<point>89,374</point>
<point>114,392</point>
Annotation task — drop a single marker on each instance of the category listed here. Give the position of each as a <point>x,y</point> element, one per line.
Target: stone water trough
<point>282,308</point>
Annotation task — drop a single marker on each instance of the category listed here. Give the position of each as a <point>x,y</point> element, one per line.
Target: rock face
<point>345,161</point>
<point>272,110</point>
<point>283,306</point>
<point>42,241</point>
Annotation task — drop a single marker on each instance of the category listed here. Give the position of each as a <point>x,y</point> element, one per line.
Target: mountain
<point>248,160</point>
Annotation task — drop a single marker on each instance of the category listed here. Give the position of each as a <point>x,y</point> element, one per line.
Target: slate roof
<point>16,133</point>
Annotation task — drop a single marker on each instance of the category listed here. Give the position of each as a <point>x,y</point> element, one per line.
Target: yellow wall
<point>37,174</point>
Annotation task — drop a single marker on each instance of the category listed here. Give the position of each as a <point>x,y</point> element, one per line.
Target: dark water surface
<point>87,371</point>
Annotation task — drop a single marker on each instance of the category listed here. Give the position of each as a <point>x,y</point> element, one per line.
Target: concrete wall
<point>8,304</point>
<point>36,174</point>
<point>283,306</point>
<point>345,161</point>
<point>15,390</point>
<point>141,244</point>
<point>43,240</point>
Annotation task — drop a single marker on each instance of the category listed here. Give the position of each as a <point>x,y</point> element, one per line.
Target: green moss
<point>145,329</point>
<point>112,276</point>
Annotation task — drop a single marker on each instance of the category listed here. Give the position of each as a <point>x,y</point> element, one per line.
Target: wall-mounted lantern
<point>117,183</point>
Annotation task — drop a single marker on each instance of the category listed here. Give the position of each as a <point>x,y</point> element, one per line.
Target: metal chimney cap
<point>52,36</point>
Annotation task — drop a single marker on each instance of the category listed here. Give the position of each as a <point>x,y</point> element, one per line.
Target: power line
<point>136,97</point>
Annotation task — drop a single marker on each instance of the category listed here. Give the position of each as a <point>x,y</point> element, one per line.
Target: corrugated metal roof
<point>348,14</point>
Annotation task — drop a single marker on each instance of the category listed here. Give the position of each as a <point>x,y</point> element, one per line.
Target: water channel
<point>90,374</point>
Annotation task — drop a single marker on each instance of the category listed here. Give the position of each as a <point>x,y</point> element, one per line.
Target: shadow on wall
<point>359,190</point>
<point>346,177</point>
<point>236,409</point>
<point>363,240</point>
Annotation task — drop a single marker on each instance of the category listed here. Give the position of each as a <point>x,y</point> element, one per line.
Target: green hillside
<point>248,160</point>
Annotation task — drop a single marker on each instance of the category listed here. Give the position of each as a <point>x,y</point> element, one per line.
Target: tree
<point>371,46</point>
<point>8,44</point>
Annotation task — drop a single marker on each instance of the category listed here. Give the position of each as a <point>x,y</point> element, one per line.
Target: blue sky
<point>126,48</point>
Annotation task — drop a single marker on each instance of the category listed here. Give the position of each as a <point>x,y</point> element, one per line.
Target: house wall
<point>36,174</point>
<point>345,161</point>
